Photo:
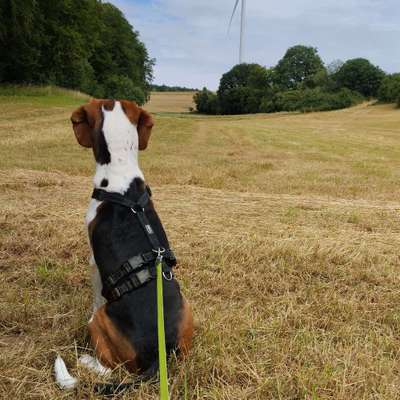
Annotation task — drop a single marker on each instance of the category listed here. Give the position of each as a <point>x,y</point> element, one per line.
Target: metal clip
<point>136,211</point>
<point>159,251</point>
<point>170,275</point>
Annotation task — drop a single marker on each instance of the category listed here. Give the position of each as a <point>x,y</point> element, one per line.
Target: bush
<point>121,87</point>
<point>389,91</point>
<point>242,89</point>
<point>268,104</point>
<point>242,100</point>
<point>315,100</point>
<point>206,102</point>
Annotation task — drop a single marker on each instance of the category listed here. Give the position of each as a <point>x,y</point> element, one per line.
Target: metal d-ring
<point>170,277</point>
<point>159,251</point>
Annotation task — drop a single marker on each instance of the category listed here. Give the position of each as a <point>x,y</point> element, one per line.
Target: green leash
<point>162,354</point>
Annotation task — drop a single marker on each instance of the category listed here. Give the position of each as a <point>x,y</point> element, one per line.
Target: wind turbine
<point>242,27</point>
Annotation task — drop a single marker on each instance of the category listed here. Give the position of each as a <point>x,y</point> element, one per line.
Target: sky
<point>190,41</point>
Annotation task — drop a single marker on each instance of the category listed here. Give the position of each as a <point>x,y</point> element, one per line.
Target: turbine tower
<point>242,27</point>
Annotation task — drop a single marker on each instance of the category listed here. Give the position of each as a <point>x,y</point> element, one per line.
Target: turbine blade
<point>233,14</point>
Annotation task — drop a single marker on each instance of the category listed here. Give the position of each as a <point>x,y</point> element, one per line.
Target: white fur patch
<point>98,299</point>
<point>91,211</point>
<point>63,378</point>
<point>94,365</point>
<point>123,144</point>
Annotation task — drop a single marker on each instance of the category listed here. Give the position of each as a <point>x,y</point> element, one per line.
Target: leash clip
<point>160,251</point>
<point>168,276</point>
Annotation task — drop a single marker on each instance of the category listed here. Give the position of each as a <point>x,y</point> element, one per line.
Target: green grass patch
<point>41,95</point>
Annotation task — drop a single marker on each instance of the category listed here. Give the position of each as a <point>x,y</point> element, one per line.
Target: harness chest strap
<point>103,195</point>
<point>135,281</point>
<point>137,208</point>
<point>139,269</point>
<point>136,262</point>
<point>134,273</point>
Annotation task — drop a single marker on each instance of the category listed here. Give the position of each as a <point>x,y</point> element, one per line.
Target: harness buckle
<point>148,257</point>
<point>127,267</point>
<point>115,294</point>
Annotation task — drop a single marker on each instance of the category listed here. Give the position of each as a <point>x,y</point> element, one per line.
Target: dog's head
<point>87,122</point>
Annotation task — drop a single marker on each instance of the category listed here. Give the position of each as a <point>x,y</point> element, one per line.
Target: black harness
<point>140,269</point>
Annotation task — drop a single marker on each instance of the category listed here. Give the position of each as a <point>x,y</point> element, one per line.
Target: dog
<point>123,229</point>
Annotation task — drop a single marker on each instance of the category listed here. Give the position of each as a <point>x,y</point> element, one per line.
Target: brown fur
<point>185,329</point>
<point>86,121</point>
<point>112,347</point>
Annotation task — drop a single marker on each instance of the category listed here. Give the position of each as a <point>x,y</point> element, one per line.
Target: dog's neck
<point>121,143</point>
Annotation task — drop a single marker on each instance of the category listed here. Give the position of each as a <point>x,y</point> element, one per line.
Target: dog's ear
<point>82,126</point>
<point>144,127</point>
<point>85,120</point>
<point>141,118</point>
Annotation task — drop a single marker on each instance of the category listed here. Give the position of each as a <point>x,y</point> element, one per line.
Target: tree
<point>19,40</point>
<point>120,52</point>
<point>300,82</point>
<point>242,88</point>
<point>121,87</point>
<point>334,67</point>
<point>360,75</point>
<point>389,91</point>
<point>245,75</point>
<point>81,44</point>
<point>298,66</point>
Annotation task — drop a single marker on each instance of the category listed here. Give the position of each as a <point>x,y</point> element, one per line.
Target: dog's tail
<point>63,377</point>
<point>68,382</point>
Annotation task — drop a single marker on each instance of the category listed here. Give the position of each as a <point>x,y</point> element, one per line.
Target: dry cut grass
<point>287,233</point>
<point>177,102</point>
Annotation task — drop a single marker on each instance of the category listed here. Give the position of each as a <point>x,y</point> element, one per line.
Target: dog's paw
<point>93,364</point>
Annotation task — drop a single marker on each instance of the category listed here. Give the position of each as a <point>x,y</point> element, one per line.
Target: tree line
<point>79,44</point>
<point>299,82</point>
<point>166,88</point>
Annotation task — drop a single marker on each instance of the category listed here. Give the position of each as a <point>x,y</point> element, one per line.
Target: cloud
<point>190,42</point>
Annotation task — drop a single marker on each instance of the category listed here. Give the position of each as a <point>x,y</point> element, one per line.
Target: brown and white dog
<point>123,331</point>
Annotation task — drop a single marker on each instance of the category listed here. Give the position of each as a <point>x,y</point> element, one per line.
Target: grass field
<point>161,102</point>
<point>286,228</point>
